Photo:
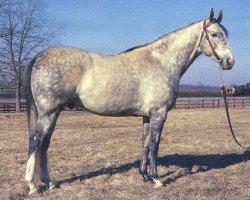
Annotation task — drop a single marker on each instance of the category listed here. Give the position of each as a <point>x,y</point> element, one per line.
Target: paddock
<point>198,158</point>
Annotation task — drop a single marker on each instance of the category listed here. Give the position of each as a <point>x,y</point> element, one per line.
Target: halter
<point>205,26</point>
<point>204,31</point>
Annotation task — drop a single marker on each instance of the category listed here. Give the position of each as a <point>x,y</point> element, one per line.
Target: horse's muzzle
<point>227,63</point>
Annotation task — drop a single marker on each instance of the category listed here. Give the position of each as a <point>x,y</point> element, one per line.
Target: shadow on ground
<point>202,162</point>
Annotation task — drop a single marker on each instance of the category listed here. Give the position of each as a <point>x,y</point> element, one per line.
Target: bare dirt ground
<point>95,157</point>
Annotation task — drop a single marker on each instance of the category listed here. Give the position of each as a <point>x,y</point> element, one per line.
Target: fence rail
<point>181,103</point>
<point>195,103</point>
<point>11,106</point>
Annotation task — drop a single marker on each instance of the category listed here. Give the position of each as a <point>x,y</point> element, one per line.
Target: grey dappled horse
<point>141,81</point>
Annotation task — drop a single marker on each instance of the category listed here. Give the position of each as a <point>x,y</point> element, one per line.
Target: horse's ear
<point>219,18</point>
<point>211,16</point>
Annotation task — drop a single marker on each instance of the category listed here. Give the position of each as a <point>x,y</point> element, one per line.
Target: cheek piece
<point>205,26</point>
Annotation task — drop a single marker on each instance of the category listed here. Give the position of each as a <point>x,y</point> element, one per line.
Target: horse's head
<point>214,41</point>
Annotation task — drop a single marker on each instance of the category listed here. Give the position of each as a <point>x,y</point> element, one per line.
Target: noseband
<point>205,26</point>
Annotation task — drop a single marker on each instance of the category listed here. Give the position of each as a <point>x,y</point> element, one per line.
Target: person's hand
<point>228,90</point>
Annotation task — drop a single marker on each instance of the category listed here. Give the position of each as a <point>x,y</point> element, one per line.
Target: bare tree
<point>24,31</point>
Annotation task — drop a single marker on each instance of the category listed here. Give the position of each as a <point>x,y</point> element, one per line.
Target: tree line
<point>25,29</point>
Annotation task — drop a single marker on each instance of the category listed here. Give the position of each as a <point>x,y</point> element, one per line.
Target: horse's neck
<point>179,49</point>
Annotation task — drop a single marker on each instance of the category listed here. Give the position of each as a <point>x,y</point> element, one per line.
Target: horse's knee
<point>35,141</point>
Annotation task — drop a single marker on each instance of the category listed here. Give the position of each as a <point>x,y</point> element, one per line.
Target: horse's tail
<point>31,106</point>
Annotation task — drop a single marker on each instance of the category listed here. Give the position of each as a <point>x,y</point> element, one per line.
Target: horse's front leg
<point>157,120</point>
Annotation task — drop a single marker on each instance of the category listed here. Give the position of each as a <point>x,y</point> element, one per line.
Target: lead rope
<point>227,112</point>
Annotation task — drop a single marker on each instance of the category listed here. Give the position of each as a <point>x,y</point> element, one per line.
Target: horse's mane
<point>140,46</point>
<point>133,48</point>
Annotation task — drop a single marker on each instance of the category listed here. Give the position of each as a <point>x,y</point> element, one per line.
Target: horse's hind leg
<point>145,148</point>
<point>38,145</point>
<point>43,155</point>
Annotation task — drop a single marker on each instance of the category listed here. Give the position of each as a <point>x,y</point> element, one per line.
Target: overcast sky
<point>111,26</point>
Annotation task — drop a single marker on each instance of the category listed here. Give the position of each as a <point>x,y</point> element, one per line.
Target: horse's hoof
<point>49,184</point>
<point>32,188</point>
<point>32,191</point>
<point>157,183</point>
<point>146,178</point>
<point>52,185</point>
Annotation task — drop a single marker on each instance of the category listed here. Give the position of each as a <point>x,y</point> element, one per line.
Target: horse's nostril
<point>230,62</point>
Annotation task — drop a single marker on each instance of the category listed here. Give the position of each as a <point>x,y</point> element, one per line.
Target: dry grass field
<point>95,157</point>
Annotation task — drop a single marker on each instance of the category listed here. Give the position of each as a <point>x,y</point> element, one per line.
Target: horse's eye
<point>214,34</point>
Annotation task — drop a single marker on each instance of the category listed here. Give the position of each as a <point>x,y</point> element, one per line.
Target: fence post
<point>243,103</point>
<point>234,103</point>
<point>218,103</point>
<point>4,107</point>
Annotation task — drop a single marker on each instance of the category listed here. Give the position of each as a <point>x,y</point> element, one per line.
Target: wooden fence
<point>181,103</point>
<point>9,106</point>
<point>195,103</point>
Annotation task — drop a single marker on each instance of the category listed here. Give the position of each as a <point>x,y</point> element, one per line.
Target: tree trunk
<point>18,95</point>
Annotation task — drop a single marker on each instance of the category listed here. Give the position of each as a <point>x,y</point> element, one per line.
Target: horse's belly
<point>108,104</point>
<point>110,100</point>
<point>107,93</point>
